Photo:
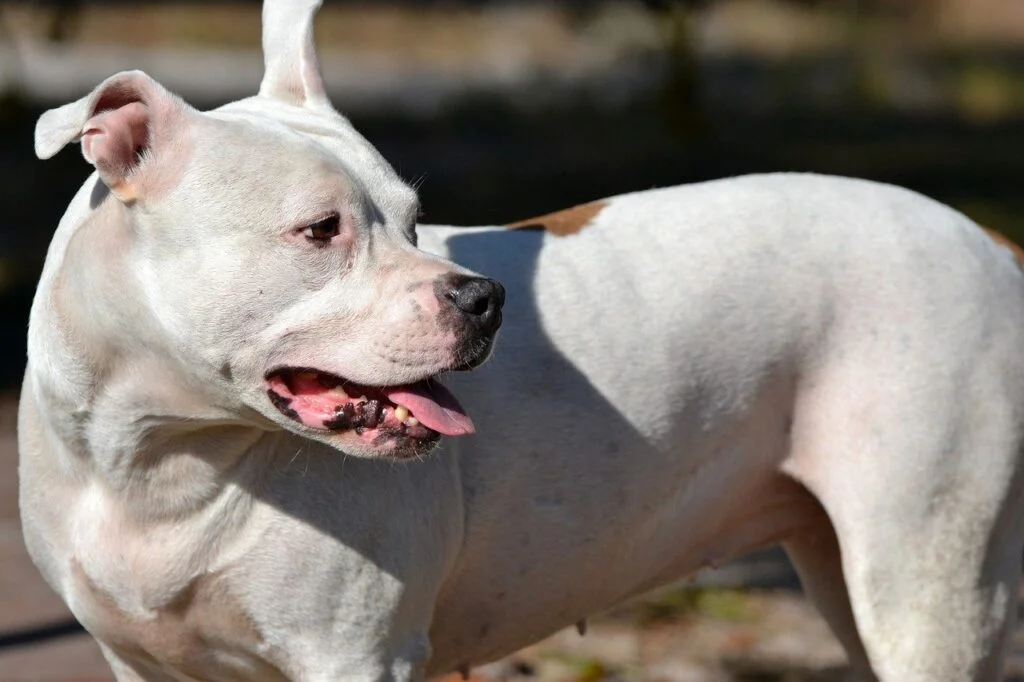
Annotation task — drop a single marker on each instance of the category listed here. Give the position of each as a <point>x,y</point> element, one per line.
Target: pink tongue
<point>434,406</point>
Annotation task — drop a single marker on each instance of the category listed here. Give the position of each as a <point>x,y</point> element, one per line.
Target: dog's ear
<point>292,73</point>
<point>118,125</point>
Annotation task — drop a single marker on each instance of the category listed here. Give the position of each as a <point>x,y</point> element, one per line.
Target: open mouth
<point>319,400</point>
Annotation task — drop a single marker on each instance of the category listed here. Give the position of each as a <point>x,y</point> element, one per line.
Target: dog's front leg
<point>351,595</point>
<point>404,662</point>
<point>127,672</point>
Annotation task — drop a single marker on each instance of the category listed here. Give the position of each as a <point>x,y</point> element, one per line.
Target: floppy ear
<point>292,73</point>
<point>118,123</point>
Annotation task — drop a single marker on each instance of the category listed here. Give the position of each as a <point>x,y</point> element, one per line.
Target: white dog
<point>234,339</point>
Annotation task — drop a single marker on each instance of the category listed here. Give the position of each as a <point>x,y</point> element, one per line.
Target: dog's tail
<point>291,72</point>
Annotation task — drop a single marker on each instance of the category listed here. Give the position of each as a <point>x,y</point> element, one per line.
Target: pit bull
<point>230,418</point>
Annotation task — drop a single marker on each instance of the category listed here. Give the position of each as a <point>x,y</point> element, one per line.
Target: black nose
<point>479,299</point>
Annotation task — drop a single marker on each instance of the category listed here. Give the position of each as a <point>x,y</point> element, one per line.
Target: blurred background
<point>502,110</point>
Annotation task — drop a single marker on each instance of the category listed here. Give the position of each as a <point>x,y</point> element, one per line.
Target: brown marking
<point>563,223</point>
<point>1002,240</point>
<point>126,192</point>
<point>187,633</point>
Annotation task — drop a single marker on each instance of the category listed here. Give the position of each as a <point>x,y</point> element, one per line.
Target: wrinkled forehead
<point>308,139</point>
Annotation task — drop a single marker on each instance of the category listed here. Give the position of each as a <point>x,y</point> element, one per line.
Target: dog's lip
<point>325,401</point>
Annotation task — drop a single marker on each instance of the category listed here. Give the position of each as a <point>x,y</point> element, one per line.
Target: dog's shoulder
<point>563,223</point>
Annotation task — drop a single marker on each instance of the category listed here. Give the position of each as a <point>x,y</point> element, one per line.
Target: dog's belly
<point>592,519</point>
<point>501,604</point>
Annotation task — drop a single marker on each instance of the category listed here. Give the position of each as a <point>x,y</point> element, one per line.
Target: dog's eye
<point>323,231</point>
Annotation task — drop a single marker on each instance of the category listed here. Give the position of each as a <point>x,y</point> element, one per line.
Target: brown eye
<point>323,230</point>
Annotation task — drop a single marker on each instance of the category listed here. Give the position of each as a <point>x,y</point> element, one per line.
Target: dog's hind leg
<point>815,555</point>
<point>926,500</point>
<point>936,602</point>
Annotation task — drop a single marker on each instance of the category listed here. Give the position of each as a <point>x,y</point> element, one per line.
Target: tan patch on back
<point>186,633</point>
<point>1017,251</point>
<point>563,223</point>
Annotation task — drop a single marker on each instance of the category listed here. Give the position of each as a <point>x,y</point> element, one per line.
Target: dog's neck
<point>149,441</point>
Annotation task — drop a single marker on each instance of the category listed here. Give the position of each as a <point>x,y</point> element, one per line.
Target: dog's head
<point>274,250</point>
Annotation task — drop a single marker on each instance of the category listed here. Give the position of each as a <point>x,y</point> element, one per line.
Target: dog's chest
<point>201,631</point>
<point>159,599</point>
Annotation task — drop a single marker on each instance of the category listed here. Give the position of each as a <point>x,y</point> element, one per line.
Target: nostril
<point>474,296</point>
<point>477,307</point>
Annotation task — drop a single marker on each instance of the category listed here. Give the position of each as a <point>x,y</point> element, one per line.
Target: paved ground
<point>703,632</point>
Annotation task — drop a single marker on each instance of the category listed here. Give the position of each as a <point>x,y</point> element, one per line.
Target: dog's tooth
<point>340,392</point>
<point>412,421</point>
<point>401,413</point>
<point>372,413</point>
<point>361,399</point>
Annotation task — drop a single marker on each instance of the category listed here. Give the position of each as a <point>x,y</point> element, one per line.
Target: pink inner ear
<point>112,140</point>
